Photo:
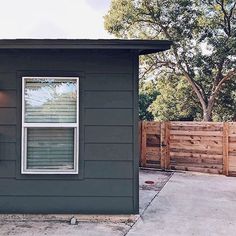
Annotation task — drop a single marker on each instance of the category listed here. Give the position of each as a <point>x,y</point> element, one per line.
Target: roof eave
<point>142,46</point>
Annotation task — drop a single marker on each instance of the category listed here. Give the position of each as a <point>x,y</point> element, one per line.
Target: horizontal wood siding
<point>7,151</point>
<point>108,134</point>
<point>87,187</point>
<point>8,128</point>
<point>8,98</point>
<point>8,169</point>
<point>105,182</point>
<point>57,204</point>
<point>8,80</point>
<point>108,99</point>
<point>9,117</point>
<point>117,151</point>
<point>108,82</point>
<point>108,169</point>
<point>7,133</point>
<point>108,117</point>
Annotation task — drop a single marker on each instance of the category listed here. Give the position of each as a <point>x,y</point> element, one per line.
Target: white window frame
<point>26,125</point>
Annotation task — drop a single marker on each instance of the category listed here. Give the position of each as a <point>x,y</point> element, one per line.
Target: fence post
<point>167,141</point>
<point>163,144</point>
<point>140,140</point>
<point>143,144</point>
<point>226,148</point>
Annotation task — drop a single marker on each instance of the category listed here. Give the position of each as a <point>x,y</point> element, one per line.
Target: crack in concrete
<point>141,215</point>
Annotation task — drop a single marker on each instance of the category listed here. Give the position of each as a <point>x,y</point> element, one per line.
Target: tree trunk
<point>207,114</point>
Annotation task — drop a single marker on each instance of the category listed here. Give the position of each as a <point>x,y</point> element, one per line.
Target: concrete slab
<point>147,192</point>
<point>191,204</point>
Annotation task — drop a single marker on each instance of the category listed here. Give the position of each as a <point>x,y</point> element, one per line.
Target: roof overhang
<point>142,46</point>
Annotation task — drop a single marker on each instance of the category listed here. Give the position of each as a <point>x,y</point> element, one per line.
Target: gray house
<point>68,125</point>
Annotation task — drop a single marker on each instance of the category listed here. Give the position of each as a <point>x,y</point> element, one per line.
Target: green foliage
<point>170,98</point>
<point>175,102</point>
<point>225,108</point>
<point>204,49</point>
<point>147,95</point>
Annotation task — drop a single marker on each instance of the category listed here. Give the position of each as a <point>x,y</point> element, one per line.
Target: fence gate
<point>154,144</point>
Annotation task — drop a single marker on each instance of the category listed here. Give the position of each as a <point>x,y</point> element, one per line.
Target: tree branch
<point>232,10</point>
<point>219,75</point>
<point>228,76</point>
<point>227,23</point>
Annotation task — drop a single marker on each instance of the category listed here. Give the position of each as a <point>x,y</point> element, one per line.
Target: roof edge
<point>143,46</point>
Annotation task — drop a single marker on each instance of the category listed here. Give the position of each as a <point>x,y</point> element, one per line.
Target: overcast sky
<point>53,19</point>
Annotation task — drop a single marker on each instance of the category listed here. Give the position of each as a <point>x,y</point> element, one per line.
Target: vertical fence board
<point>167,141</point>
<point>143,143</point>
<point>226,148</point>
<point>140,140</point>
<point>163,145</point>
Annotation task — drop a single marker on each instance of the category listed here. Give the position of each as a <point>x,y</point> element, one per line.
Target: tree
<point>175,101</point>
<point>225,110</point>
<point>147,94</point>
<point>204,40</point>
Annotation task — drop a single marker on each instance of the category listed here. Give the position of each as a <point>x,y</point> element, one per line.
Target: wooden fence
<point>208,147</point>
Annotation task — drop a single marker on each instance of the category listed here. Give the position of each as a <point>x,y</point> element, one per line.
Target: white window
<point>50,125</point>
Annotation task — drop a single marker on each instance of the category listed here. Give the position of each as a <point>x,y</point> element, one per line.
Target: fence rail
<point>208,147</point>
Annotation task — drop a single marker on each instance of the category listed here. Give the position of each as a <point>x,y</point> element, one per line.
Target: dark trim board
<point>135,132</point>
<point>142,46</point>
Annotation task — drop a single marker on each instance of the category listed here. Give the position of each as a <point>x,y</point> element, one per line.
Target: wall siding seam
<point>7,89</point>
<point>108,90</point>
<point>108,142</point>
<point>116,125</point>
<point>111,108</point>
<point>135,74</point>
<point>62,196</point>
<point>108,74</point>
<point>29,178</point>
<point>79,196</point>
<point>107,160</point>
<point>7,142</point>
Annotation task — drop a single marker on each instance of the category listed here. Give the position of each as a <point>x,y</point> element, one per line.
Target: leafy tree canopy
<point>175,101</point>
<point>147,94</point>
<point>204,35</point>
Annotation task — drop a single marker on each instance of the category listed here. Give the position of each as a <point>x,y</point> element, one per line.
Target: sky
<point>68,19</point>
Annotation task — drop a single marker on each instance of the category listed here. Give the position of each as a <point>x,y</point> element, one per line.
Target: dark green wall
<point>108,178</point>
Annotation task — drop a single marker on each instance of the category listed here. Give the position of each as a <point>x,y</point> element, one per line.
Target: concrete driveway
<point>191,204</point>
<point>178,204</point>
